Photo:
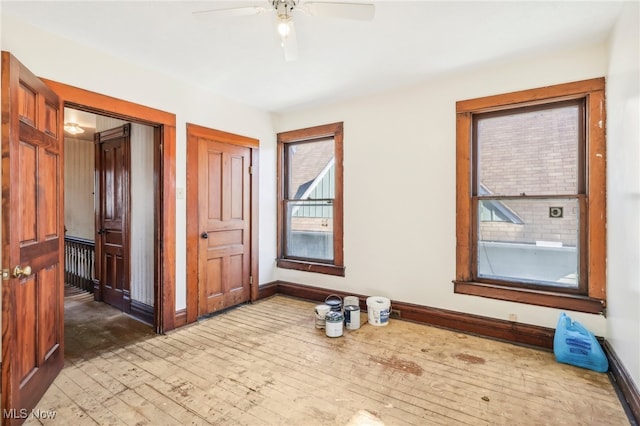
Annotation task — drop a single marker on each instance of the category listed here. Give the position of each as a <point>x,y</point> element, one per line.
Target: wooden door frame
<point>194,131</point>
<point>164,124</point>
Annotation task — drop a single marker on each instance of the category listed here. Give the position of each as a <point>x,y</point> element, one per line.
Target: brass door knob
<point>20,272</point>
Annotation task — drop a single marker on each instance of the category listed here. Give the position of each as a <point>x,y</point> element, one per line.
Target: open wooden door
<point>113,204</point>
<point>32,240</point>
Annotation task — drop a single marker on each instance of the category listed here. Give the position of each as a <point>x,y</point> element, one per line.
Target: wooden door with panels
<point>113,174</point>
<point>220,191</point>
<point>32,240</point>
<point>224,224</point>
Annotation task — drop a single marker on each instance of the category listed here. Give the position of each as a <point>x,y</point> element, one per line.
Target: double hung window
<point>531,196</point>
<point>310,199</point>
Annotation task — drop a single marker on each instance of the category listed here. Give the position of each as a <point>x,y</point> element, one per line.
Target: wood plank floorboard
<point>267,364</point>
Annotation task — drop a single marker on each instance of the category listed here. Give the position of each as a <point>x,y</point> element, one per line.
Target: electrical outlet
<point>395,313</point>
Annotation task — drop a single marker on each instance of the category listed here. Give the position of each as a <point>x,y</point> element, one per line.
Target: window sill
<point>320,268</point>
<point>569,302</point>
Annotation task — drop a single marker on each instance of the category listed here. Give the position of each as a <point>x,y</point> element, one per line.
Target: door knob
<point>20,272</point>
<point>205,235</point>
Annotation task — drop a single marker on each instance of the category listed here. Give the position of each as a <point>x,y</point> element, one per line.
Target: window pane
<point>310,170</point>
<point>536,248</point>
<point>533,152</point>
<point>310,230</point>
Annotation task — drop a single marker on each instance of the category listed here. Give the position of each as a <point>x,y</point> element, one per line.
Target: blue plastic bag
<point>573,344</point>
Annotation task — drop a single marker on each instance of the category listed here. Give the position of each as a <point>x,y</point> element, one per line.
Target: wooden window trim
<point>593,92</point>
<point>335,131</point>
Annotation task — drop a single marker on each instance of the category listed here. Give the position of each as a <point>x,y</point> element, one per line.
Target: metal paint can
<point>351,300</point>
<point>334,301</point>
<point>321,311</point>
<point>334,322</point>
<point>352,317</point>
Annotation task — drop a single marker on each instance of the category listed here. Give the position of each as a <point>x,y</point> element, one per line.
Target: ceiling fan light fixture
<point>284,27</point>
<point>73,128</point>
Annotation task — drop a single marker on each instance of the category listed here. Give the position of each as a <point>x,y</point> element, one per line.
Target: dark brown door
<point>113,165</point>
<point>32,240</point>
<point>224,209</point>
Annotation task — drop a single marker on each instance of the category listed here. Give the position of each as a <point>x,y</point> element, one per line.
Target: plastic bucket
<point>378,309</point>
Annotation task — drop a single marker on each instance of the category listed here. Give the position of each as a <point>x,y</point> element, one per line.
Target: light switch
<point>180,193</point>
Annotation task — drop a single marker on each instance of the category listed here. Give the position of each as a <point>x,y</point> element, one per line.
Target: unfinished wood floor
<point>266,364</point>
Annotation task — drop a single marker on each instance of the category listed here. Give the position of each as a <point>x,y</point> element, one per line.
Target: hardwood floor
<point>92,327</point>
<point>266,364</point>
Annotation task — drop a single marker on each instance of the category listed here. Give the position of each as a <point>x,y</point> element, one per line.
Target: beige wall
<point>79,167</point>
<point>623,191</point>
<point>400,184</point>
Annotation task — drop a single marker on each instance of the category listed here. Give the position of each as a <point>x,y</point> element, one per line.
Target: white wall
<point>43,53</point>
<point>623,190</point>
<point>400,184</point>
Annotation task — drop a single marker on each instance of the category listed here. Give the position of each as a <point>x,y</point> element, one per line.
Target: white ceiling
<point>240,57</point>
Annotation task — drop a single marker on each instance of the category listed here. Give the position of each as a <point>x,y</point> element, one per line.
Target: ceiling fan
<point>284,10</point>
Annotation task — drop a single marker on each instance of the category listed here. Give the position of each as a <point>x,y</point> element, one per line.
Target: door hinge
<point>250,170</point>
<point>5,275</point>
<point>250,279</point>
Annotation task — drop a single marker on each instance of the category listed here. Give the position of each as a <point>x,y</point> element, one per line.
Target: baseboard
<point>181,317</point>
<point>267,290</point>
<point>524,334</point>
<point>142,311</point>
<point>622,380</point>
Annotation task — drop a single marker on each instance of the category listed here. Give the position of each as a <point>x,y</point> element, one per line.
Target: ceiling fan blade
<point>290,44</point>
<point>229,12</point>
<point>357,11</point>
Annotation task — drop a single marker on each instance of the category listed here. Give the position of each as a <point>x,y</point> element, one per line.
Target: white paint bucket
<point>352,317</point>
<point>321,311</point>
<point>334,321</point>
<point>378,309</point>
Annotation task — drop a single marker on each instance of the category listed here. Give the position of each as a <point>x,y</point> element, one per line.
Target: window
<point>310,199</point>
<point>494,210</point>
<point>531,197</point>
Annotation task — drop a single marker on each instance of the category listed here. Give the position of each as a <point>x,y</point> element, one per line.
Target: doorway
<point>111,211</point>
<point>164,126</point>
